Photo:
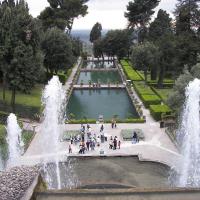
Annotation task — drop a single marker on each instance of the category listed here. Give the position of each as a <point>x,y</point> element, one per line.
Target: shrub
<point>131,73</point>
<point>124,62</point>
<point>3,117</point>
<point>158,110</point>
<point>143,89</point>
<point>150,100</point>
<point>93,121</point>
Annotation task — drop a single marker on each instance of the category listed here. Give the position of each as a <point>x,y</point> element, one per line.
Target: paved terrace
<point>156,147</point>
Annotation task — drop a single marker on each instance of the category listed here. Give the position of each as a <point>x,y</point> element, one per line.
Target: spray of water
<point>53,100</point>
<point>189,138</point>
<point>14,140</point>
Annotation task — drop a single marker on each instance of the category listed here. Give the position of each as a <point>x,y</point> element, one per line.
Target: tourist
<point>115,124</point>
<point>115,143</point>
<point>70,149</point>
<point>135,138</point>
<point>88,145</point>
<point>112,123</point>
<point>101,128</point>
<point>71,139</point>
<point>119,144</point>
<point>98,141</point>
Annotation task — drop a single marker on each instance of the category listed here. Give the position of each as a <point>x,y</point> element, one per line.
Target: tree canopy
<point>61,14</point>
<point>20,54</point>
<point>57,48</point>
<point>95,33</point>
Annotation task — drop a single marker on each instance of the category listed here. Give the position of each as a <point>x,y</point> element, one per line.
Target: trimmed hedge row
<point>124,62</point>
<point>157,111</point>
<point>143,89</point>
<point>150,100</point>
<point>93,121</point>
<point>131,73</point>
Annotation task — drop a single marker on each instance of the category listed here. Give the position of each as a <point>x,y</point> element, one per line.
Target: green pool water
<point>102,77</point>
<point>106,102</point>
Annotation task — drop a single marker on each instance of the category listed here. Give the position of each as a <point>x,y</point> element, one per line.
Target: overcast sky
<point>110,13</point>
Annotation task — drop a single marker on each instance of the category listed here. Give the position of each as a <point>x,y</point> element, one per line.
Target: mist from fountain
<point>14,140</point>
<point>53,100</point>
<point>188,137</point>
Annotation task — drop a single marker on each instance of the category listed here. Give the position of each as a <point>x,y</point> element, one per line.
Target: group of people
<point>113,123</point>
<point>114,143</point>
<point>88,140</point>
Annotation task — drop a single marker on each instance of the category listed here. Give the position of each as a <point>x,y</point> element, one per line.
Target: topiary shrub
<point>158,110</point>
<point>150,100</point>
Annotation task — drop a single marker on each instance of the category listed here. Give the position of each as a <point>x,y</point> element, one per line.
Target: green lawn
<point>164,93</point>
<point>26,105</point>
<point>33,99</point>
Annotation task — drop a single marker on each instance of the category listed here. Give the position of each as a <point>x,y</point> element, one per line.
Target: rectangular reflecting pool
<point>107,102</point>
<point>98,64</point>
<point>102,77</point>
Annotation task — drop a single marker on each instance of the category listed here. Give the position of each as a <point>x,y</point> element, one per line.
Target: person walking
<point>119,144</point>
<point>112,123</point>
<point>70,149</point>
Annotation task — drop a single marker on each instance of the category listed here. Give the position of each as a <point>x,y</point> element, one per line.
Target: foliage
<point>177,97</point>
<point>157,111</point>
<point>124,62</point>
<point>93,121</point>
<point>160,26</point>
<point>19,47</point>
<point>145,57</point>
<point>143,89</point>
<point>127,134</point>
<point>95,33</point>
<point>57,48</point>
<point>163,93</point>
<point>27,105</point>
<point>139,12</point>
<point>150,100</point>
<point>117,43</point>
<point>61,14</point>
<point>70,133</point>
<point>3,143</point>
<point>131,73</point>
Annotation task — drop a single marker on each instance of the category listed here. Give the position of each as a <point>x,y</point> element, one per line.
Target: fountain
<point>53,99</point>
<point>189,138</point>
<point>14,140</point>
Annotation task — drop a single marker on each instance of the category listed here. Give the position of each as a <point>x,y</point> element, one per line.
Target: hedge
<point>157,111</point>
<point>131,73</point>
<point>150,100</point>
<point>124,62</point>
<point>143,89</point>
<point>93,121</point>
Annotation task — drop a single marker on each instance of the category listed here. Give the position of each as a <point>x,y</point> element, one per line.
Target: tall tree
<point>139,13</point>
<point>95,33</point>
<point>57,48</point>
<point>160,26</point>
<point>145,57</point>
<point>187,16</point>
<point>117,43</point>
<point>19,48</point>
<point>187,25</point>
<point>61,14</point>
